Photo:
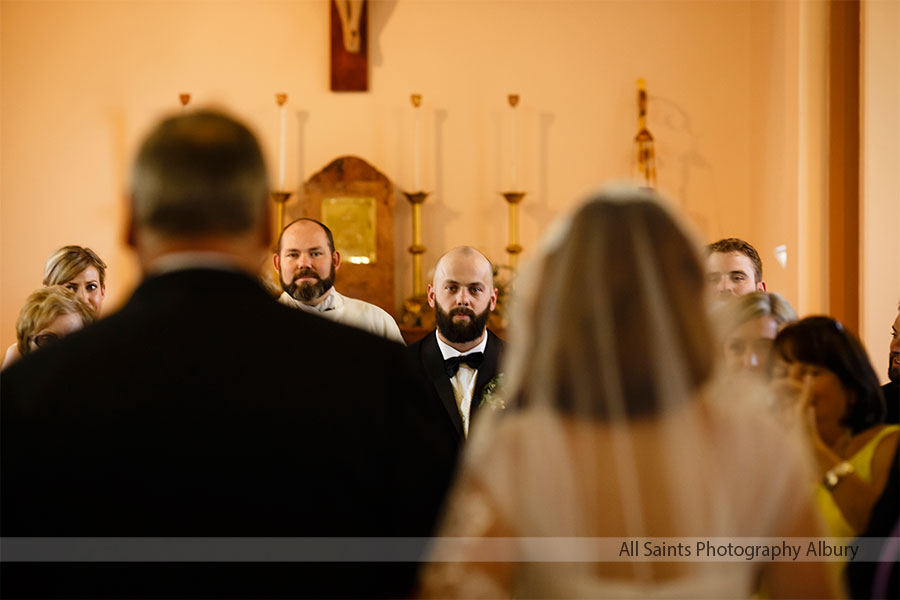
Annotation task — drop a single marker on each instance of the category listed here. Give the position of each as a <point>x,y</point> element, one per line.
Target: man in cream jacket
<point>306,263</point>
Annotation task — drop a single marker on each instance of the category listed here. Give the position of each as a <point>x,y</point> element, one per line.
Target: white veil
<point>611,436</point>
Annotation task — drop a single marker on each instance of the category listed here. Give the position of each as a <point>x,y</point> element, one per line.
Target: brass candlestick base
<point>280,198</point>
<point>513,248</point>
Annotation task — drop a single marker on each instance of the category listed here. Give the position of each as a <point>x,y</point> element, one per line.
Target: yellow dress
<point>862,463</point>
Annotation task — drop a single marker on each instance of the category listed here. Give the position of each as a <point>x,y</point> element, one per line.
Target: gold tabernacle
<point>352,220</point>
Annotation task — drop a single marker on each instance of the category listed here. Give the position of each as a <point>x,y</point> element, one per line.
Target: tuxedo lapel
<point>487,370</point>
<point>437,374</point>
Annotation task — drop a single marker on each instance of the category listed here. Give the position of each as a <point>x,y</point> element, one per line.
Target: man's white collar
<point>449,351</point>
<point>332,301</point>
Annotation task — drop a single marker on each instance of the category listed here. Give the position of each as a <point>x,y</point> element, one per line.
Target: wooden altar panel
<point>352,177</point>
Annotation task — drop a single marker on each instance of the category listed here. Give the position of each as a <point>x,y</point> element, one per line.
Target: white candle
<point>417,150</point>
<point>513,143</point>
<point>281,147</point>
<point>514,151</point>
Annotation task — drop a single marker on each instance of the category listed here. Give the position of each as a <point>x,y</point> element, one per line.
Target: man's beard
<point>308,290</point>
<point>893,370</point>
<point>460,333</point>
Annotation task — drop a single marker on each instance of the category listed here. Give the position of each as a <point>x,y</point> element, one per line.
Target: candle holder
<point>280,198</point>
<point>513,248</point>
<point>643,141</point>
<point>416,312</point>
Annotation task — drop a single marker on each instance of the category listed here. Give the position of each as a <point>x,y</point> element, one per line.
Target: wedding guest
<point>733,268</point>
<point>461,357</point>
<point>612,437</point>
<point>824,370</point>
<point>748,325</point>
<point>80,270</point>
<point>49,314</point>
<point>306,262</point>
<point>222,418</point>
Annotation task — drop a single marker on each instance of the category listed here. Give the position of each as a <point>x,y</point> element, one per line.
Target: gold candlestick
<point>280,198</point>
<point>416,199</point>
<point>416,312</point>
<point>513,248</point>
<point>643,141</point>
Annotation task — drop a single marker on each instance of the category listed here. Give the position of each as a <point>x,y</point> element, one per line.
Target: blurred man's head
<point>199,182</point>
<point>733,268</point>
<point>306,260</point>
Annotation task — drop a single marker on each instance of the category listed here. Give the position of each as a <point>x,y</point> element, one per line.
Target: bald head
<point>465,257</point>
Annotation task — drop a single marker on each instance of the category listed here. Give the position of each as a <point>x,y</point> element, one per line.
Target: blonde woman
<point>49,314</point>
<point>747,327</point>
<point>79,270</point>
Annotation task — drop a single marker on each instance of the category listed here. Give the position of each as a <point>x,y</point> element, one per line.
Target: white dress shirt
<point>463,382</point>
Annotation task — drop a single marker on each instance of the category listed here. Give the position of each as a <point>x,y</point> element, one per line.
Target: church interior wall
<point>733,104</point>
<point>880,177</point>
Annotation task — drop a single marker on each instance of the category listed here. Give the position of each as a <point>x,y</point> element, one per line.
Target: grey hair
<point>199,174</point>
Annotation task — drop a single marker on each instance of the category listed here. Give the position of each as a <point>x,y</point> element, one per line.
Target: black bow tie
<point>473,360</point>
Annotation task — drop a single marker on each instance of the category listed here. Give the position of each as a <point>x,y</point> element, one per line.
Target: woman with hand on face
<point>82,272</point>
<point>824,371</point>
<point>49,314</point>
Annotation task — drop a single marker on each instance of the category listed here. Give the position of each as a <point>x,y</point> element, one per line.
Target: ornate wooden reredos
<point>356,201</point>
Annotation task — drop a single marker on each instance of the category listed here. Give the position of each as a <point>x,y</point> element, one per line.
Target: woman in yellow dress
<point>841,405</point>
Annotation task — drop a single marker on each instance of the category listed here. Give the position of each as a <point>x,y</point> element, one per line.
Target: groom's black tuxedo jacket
<point>205,408</point>
<point>427,356</point>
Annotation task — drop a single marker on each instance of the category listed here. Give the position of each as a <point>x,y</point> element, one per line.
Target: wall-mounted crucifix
<point>349,46</point>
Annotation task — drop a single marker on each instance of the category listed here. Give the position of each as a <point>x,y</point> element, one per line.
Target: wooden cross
<point>349,46</point>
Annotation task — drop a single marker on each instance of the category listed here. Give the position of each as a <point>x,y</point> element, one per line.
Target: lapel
<point>434,368</point>
<point>487,371</point>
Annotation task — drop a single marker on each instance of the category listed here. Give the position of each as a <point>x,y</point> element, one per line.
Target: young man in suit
<point>205,412</point>
<point>461,356</point>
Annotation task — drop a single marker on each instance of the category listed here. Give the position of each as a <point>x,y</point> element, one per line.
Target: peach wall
<point>81,81</point>
<point>880,177</point>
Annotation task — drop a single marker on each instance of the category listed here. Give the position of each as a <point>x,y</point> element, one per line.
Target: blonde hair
<point>742,309</point>
<point>607,281</point>
<point>67,262</point>
<point>45,305</point>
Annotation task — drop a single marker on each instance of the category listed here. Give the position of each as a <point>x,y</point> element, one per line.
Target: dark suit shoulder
<point>416,347</point>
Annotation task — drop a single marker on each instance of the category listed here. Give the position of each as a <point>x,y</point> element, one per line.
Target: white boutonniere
<point>492,394</point>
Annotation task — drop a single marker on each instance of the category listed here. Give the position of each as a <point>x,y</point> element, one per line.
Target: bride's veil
<point>611,329</point>
<point>609,431</point>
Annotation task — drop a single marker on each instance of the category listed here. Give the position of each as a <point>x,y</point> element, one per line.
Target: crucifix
<point>349,46</point>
